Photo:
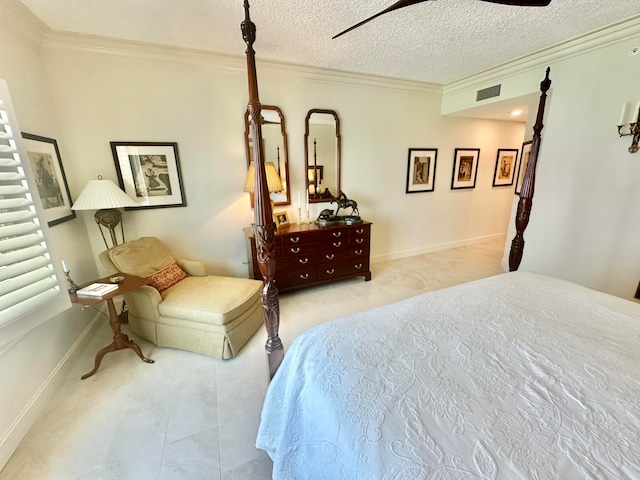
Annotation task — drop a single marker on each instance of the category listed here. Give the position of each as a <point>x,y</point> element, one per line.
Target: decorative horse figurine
<point>344,202</point>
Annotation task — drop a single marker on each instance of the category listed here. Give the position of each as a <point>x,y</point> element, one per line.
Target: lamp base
<point>109,218</point>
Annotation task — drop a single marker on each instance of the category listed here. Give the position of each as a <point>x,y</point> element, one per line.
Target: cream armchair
<point>186,308</point>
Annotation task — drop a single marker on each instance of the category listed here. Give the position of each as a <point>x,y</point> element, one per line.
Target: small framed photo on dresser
<point>281,218</point>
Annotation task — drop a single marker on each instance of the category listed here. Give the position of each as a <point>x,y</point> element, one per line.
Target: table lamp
<point>274,182</point>
<point>107,198</point>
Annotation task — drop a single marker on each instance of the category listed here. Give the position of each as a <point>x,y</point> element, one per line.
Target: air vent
<point>488,93</point>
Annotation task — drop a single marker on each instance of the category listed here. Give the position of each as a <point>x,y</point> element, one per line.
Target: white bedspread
<point>517,376</point>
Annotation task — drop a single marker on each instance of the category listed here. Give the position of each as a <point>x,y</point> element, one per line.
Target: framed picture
<point>465,168</point>
<point>524,161</point>
<point>421,170</point>
<point>281,218</point>
<point>506,165</point>
<point>51,182</point>
<point>149,172</point>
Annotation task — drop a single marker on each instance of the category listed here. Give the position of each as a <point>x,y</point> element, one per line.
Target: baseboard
<point>435,248</point>
<point>9,443</point>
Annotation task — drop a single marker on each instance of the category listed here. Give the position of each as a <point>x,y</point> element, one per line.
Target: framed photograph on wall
<point>281,218</point>
<point>524,161</point>
<point>149,172</point>
<point>421,170</point>
<point>46,164</point>
<point>465,168</point>
<point>506,165</point>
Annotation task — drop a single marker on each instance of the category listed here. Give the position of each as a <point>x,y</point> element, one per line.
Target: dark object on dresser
<point>314,254</point>
<point>344,202</point>
<point>328,217</point>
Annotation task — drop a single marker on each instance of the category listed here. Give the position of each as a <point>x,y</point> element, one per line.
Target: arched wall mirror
<point>322,155</point>
<point>275,148</point>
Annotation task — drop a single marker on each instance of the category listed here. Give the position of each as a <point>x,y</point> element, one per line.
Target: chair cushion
<point>142,257</point>
<point>167,277</point>
<point>211,299</point>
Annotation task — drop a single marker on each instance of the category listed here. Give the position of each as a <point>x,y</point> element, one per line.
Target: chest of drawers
<point>311,254</point>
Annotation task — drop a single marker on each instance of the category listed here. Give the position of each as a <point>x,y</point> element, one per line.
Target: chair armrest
<point>193,267</point>
<point>143,302</point>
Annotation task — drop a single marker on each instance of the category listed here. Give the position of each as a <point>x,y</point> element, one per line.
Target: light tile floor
<point>192,417</point>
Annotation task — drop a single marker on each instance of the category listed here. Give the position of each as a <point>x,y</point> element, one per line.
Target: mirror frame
<point>338,151</point>
<point>285,147</point>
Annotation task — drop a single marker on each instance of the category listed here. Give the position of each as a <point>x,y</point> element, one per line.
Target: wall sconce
<point>634,126</point>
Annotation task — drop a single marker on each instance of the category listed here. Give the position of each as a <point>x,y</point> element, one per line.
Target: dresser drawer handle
<point>337,244</point>
<point>294,240</point>
<point>359,266</point>
<point>330,257</point>
<point>359,240</point>
<point>304,276</point>
<point>360,231</point>
<point>358,252</point>
<point>337,234</point>
<point>304,261</point>
<point>331,272</point>
<point>295,250</point>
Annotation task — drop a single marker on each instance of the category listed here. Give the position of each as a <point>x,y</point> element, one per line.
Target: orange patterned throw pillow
<point>167,277</point>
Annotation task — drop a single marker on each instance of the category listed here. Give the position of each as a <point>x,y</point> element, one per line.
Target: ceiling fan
<point>407,3</point>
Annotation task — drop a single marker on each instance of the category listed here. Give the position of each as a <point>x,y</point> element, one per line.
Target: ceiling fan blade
<point>407,3</point>
<point>521,3</point>
<point>395,6</point>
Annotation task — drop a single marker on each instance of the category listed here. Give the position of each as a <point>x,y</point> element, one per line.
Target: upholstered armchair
<point>183,307</point>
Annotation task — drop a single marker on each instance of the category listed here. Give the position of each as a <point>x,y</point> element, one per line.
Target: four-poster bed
<point>264,227</point>
<point>528,184</point>
<point>513,376</point>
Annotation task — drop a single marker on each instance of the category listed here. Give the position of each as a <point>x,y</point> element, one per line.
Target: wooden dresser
<point>311,254</point>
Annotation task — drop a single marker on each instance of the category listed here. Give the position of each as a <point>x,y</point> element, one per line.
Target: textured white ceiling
<point>438,41</point>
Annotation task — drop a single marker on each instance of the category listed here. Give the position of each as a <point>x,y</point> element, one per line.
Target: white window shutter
<point>31,290</point>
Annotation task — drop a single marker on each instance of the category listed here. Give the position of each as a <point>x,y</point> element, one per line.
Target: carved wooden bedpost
<point>528,183</point>
<point>264,229</point>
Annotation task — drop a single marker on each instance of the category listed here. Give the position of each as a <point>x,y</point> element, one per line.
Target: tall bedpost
<point>528,182</point>
<point>264,229</point>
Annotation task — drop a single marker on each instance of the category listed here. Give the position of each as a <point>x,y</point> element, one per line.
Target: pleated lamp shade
<point>100,194</point>
<point>274,183</point>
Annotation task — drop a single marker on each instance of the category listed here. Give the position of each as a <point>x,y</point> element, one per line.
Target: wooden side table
<point>120,340</point>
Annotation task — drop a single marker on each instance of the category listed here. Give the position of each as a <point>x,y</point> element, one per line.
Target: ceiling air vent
<point>488,93</point>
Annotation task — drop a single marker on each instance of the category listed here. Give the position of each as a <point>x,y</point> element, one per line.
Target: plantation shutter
<point>28,281</point>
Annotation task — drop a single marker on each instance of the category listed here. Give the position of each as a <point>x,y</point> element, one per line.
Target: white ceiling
<point>438,41</point>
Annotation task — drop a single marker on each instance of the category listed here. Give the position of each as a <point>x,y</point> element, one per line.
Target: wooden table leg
<point>120,341</point>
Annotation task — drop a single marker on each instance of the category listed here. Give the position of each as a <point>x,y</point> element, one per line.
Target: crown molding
<point>21,21</point>
<point>236,64</point>
<point>616,33</point>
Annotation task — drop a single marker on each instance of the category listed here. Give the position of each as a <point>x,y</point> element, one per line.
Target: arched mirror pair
<point>276,152</point>
<point>322,147</point>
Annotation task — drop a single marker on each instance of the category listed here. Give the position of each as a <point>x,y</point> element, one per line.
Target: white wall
<point>32,367</point>
<point>585,224</point>
<point>86,92</point>
<point>110,90</point>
